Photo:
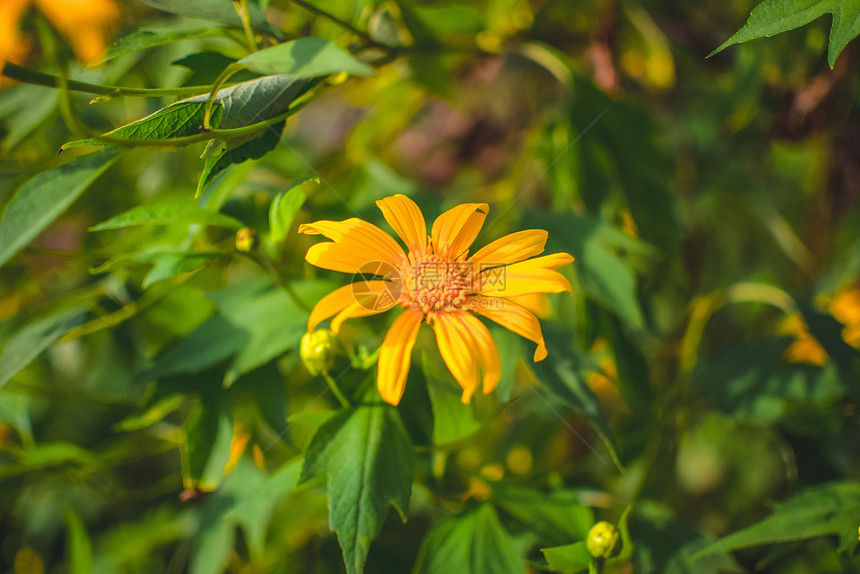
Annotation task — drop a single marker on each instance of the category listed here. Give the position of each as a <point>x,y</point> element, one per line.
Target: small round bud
<point>318,350</point>
<point>337,79</point>
<point>603,540</point>
<point>246,240</point>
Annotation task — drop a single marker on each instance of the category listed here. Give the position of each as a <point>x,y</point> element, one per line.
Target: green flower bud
<point>246,240</point>
<point>318,350</point>
<point>603,540</point>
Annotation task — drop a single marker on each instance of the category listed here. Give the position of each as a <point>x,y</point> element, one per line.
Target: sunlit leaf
<point>216,10</point>
<point>474,542</point>
<point>561,372</point>
<point>259,145</point>
<point>827,509</point>
<point>558,516</point>
<point>208,435</point>
<point>605,277</point>
<point>245,103</point>
<point>452,420</point>
<point>284,208</point>
<point>43,198</point>
<point>167,213</point>
<point>371,438</point>
<point>570,558</point>
<point>145,38</point>
<point>773,17</point>
<point>304,58</point>
<point>271,318</point>
<point>34,338</point>
<point>245,499</point>
<point>78,546</point>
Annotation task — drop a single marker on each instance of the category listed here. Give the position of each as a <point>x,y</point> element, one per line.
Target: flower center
<point>436,283</point>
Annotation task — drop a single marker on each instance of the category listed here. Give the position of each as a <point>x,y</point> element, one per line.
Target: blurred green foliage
<point>701,387</point>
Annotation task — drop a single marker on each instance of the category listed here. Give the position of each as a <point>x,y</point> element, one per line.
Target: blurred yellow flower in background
<point>85,24</point>
<point>845,308</point>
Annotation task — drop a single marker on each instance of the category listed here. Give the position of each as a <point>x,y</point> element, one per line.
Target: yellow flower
<point>84,23</point>
<point>436,280</point>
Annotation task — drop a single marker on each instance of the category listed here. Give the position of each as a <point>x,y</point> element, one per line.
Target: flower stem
<point>343,24</point>
<point>27,76</point>
<point>332,384</point>
<point>241,7</point>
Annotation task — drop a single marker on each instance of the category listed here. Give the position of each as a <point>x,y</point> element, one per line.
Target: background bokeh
<point>705,367</point>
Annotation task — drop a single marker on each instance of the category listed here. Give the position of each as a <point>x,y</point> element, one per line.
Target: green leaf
<point>208,434</point>
<point>557,516</point>
<point>367,456</point>
<point>773,17</point>
<point>256,148</point>
<point>510,352</point>
<point>15,411</point>
<point>561,372</point>
<point>43,198</point>
<point>34,338</point>
<point>256,322</point>
<point>751,381</point>
<point>824,510</point>
<point>207,66</point>
<point>153,414</point>
<point>606,278</point>
<point>474,542</point>
<point>267,389</point>
<point>284,208</point>
<point>145,38</point>
<point>245,499</point>
<point>27,108</point>
<point>272,320</point>
<point>178,120</point>
<point>170,264</point>
<point>215,10</point>
<point>79,549</point>
<point>452,420</point>
<point>633,370</point>
<point>667,545</point>
<point>167,213</point>
<point>305,58</point>
<point>570,558</point>
<point>234,107</point>
<point>215,340</point>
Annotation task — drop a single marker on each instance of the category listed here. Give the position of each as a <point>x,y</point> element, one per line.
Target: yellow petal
<point>514,318</point>
<point>395,356</point>
<point>361,237</point>
<point>406,219</point>
<point>336,257</point>
<point>455,230</point>
<point>455,348</point>
<point>537,303</point>
<point>512,248</point>
<point>363,294</point>
<point>371,302</point>
<point>10,39</point>
<point>485,348</point>
<point>86,24</point>
<point>536,275</point>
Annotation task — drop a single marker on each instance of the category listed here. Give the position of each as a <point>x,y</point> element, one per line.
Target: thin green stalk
<point>332,384</point>
<point>27,76</point>
<point>241,7</point>
<point>343,24</point>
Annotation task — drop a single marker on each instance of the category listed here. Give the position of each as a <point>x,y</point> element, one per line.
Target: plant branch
<point>27,76</point>
<point>342,23</point>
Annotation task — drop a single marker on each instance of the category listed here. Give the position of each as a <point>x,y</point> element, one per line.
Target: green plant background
<point>701,387</point>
